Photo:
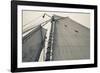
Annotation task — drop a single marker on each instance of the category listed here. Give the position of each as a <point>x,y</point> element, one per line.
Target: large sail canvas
<point>32,44</point>
<point>71,40</point>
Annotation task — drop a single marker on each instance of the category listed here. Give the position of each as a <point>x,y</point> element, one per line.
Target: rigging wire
<point>37,26</point>
<point>31,21</point>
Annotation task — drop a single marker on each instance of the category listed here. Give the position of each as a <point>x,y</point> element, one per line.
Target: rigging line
<point>36,26</point>
<point>46,22</point>
<point>31,21</point>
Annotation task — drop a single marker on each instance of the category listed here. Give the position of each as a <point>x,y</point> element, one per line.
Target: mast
<point>50,43</point>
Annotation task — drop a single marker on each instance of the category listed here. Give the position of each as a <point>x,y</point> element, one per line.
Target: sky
<point>33,18</point>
